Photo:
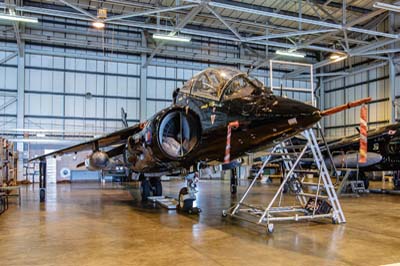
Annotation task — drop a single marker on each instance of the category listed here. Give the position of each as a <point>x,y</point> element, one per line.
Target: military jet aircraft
<point>383,151</point>
<point>194,128</point>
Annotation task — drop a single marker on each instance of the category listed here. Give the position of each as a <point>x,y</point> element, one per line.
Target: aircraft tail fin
<point>345,106</point>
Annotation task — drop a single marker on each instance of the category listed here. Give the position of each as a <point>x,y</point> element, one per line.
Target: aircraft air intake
<point>178,133</point>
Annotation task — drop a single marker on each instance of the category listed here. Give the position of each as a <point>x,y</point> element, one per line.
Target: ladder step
<point>294,146</point>
<point>312,195</point>
<point>309,171</point>
<point>282,154</point>
<point>307,160</point>
<point>312,184</point>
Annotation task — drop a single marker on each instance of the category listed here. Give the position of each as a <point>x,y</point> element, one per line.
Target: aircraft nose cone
<point>298,114</point>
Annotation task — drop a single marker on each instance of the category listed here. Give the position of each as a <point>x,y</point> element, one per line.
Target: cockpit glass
<point>211,83</point>
<point>239,87</point>
<point>206,85</point>
<point>186,87</point>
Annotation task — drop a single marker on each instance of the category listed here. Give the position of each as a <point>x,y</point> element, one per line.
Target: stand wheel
<point>224,214</point>
<point>270,228</point>
<point>334,220</point>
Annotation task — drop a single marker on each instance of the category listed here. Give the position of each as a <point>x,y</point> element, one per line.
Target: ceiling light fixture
<point>288,53</point>
<point>334,56</point>
<point>385,6</point>
<point>18,18</point>
<point>176,38</point>
<point>101,16</point>
<point>98,24</point>
<point>337,57</point>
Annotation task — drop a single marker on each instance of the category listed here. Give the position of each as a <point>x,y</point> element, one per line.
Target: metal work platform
<point>166,202</point>
<point>315,200</point>
<point>348,187</point>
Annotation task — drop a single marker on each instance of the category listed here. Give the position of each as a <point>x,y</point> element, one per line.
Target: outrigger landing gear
<point>42,180</point>
<point>234,181</point>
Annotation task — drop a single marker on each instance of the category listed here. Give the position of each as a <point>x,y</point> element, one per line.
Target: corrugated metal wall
<point>80,95</point>
<point>81,91</point>
<point>8,90</point>
<point>373,83</point>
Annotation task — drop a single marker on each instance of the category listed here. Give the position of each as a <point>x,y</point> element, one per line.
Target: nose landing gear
<point>187,196</point>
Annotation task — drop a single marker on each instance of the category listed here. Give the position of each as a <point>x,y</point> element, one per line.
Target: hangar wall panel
<point>373,82</point>
<point>8,89</point>
<point>79,95</point>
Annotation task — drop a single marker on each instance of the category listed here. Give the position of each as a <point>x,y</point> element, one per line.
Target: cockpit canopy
<point>215,83</point>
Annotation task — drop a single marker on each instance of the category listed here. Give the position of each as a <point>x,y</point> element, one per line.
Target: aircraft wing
<point>116,137</point>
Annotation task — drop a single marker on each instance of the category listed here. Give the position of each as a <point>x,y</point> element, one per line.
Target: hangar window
<point>239,87</point>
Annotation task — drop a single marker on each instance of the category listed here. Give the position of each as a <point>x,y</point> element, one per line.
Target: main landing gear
<point>234,181</point>
<point>150,187</point>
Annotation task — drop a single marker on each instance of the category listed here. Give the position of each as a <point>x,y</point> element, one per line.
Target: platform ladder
<point>310,203</point>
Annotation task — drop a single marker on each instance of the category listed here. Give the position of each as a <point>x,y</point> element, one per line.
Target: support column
<point>322,99</point>
<point>20,113</point>
<point>241,56</point>
<point>394,22</point>
<point>392,89</point>
<point>143,82</point>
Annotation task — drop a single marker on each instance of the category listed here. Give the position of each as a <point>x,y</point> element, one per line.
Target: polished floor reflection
<point>90,224</point>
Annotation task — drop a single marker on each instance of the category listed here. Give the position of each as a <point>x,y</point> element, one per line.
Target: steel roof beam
<point>17,29</point>
<point>387,51</point>
<point>349,24</point>
<point>215,13</point>
<point>296,19</point>
<point>178,28</point>
<point>188,31</point>
<point>288,34</point>
<point>149,12</point>
<point>361,50</point>
<point>87,13</point>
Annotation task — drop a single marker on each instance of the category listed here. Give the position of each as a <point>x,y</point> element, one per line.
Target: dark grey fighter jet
<point>194,129</point>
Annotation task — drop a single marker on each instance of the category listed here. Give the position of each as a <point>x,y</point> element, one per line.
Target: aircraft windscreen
<point>238,88</point>
<point>210,82</point>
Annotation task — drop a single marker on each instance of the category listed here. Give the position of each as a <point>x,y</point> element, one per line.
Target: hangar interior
<point>69,67</point>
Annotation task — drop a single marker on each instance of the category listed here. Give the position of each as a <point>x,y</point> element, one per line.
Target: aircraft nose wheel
<point>186,202</point>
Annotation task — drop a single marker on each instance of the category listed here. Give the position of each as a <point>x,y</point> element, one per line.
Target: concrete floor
<point>87,224</point>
